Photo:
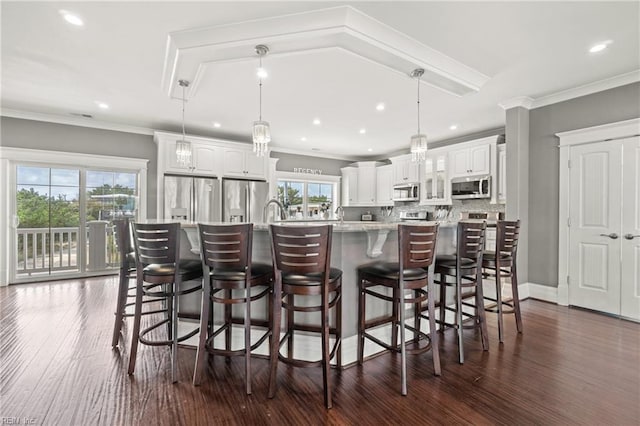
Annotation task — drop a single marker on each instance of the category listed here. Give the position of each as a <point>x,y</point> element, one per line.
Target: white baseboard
<point>539,291</point>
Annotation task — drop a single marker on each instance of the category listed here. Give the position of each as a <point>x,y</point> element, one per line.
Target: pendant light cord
<point>260,92</point>
<point>418,105</point>
<point>183,101</point>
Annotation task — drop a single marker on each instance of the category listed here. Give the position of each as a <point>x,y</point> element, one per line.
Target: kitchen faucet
<point>340,212</point>
<point>283,212</point>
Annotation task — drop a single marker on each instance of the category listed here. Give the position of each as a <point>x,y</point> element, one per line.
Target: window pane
<point>291,195</point>
<point>26,175</point>
<point>64,177</point>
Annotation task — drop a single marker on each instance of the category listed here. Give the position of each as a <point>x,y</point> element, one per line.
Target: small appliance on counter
<point>413,216</point>
<point>367,217</point>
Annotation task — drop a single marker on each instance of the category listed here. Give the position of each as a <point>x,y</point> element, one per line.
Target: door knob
<point>630,236</point>
<point>612,235</point>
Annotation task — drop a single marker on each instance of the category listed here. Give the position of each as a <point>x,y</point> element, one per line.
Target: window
<point>308,199</point>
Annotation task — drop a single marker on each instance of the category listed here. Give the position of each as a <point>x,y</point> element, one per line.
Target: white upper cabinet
<point>349,185</point>
<point>359,184</point>
<point>204,159</point>
<point>474,160</point>
<point>384,185</point>
<point>502,173</point>
<point>210,157</point>
<point>436,189</point>
<point>405,170</point>
<point>243,162</point>
<point>366,183</point>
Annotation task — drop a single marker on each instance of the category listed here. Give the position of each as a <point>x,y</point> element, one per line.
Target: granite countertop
<point>346,226</point>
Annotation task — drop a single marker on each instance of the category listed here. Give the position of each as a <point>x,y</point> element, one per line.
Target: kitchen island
<point>354,244</point>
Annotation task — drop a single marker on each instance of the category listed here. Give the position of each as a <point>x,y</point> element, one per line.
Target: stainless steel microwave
<point>406,192</point>
<point>471,187</point>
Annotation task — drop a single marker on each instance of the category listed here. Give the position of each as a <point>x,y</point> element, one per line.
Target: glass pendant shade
<point>419,147</point>
<point>183,152</point>
<point>261,137</point>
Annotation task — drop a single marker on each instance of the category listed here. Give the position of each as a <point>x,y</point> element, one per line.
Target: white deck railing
<point>56,249</point>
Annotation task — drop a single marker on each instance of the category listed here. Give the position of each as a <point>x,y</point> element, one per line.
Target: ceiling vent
<point>78,114</point>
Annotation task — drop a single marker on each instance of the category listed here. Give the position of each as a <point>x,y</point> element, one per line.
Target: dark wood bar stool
<point>160,275</point>
<point>226,260</point>
<point>463,271</point>
<point>414,271</point>
<point>302,266</point>
<point>126,293</point>
<point>504,266</point>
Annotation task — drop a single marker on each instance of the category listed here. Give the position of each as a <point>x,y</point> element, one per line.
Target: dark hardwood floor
<point>57,367</point>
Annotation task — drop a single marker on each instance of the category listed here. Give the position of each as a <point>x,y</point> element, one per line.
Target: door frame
<point>10,157</point>
<point>616,130</point>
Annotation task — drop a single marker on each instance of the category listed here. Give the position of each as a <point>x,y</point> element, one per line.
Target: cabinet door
<point>234,162</point>
<point>459,162</point>
<point>366,192</point>
<point>440,182</point>
<point>256,167</point>
<point>204,159</point>
<point>429,178</point>
<point>171,160</point>
<point>384,185</point>
<point>349,186</point>
<point>479,163</point>
<point>412,171</point>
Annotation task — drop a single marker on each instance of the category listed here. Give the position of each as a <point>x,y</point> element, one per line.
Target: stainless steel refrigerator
<point>243,200</point>
<point>191,198</point>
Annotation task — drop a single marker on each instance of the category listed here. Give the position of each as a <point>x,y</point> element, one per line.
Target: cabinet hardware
<point>612,235</point>
<point>630,236</point>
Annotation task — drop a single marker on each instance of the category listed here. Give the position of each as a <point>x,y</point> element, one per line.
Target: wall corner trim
<point>520,101</point>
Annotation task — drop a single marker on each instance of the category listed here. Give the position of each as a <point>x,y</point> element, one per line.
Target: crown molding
<point>617,130</point>
<point>574,92</point>
<point>587,89</point>
<point>189,52</point>
<point>520,101</point>
<point>75,121</point>
<point>315,154</point>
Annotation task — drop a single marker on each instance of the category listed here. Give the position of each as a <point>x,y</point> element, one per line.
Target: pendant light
<point>419,140</point>
<point>183,147</point>
<point>261,129</point>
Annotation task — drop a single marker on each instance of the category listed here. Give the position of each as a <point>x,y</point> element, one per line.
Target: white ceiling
<point>533,49</point>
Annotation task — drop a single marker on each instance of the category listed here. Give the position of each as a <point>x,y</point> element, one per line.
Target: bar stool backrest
<point>507,233</point>
<point>471,240</point>
<point>156,243</point>
<point>226,247</point>
<point>123,240</point>
<point>301,249</point>
<point>417,245</point>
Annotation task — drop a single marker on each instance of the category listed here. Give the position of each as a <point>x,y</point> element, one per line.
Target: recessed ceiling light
<point>262,73</point>
<point>453,127</point>
<point>316,121</point>
<point>303,139</point>
<point>71,18</point>
<point>216,124</point>
<point>380,106</point>
<point>599,47</point>
<point>102,105</point>
<point>370,149</point>
<point>362,131</point>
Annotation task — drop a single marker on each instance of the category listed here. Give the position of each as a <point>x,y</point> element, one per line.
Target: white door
<point>630,238</point>
<point>594,235</point>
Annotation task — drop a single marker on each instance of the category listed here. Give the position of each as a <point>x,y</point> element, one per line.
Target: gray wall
<point>328,166</point>
<point>618,104</point>
<point>32,134</point>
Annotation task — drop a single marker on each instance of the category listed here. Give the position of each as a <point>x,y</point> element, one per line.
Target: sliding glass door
<point>64,219</point>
